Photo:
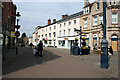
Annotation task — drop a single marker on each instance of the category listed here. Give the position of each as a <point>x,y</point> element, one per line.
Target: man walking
<point>40,48</point>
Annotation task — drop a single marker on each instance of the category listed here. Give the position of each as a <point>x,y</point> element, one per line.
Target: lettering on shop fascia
<point>66,38</point>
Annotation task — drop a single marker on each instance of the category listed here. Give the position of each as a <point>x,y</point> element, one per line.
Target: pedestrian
<point>110,50</point>
<point>40,48</point>
<point>31,45</point>
<point>35,51</point>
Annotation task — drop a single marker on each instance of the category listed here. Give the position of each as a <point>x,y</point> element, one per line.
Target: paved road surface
<point>55,63</point>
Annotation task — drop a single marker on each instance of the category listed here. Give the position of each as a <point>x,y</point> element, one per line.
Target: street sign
<point>12,34</point>
<point>17,33</point>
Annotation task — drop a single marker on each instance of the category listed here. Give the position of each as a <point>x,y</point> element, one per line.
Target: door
<point>114,45</point>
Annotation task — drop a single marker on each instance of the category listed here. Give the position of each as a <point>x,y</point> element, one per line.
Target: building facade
<point>9,18</point>
<point>91,23</point>
<point>62,35</point>
<point>1,34</point>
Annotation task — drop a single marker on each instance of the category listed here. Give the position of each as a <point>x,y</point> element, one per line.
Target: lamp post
<point>104,43</point>
<point>17,33</point>
<point>80,31</point>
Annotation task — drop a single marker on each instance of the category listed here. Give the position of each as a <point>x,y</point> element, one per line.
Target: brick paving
<point>58,63</point>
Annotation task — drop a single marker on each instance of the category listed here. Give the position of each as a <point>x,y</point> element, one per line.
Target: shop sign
<point>66,38</point>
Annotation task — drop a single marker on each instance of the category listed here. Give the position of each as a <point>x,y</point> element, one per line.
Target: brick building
<point>9,18</point>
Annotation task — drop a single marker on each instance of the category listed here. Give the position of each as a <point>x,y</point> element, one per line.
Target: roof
<point>66,18</point>
<point>71,16</point>
<point>90,4</point>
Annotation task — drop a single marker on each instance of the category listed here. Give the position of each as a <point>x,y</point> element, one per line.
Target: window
<point>114,2</point>
<point>95,21</point>
<point>64,32</point>
<point>64,24</point>
<point>50,28</point>
<point>74,21</point>
<point>114,18</point>
<point>54,34</point>
<point>42,35</point>
<point>60,32</point>
<point>110,2</point>
<point>100,19</point>
<point>49,34</point>
<point>97,6</point>
<point>50,42</point>
<point>45,35</point>
<point>46,29</point>
<point>62,43</point>
<point>60,25</point>
<point>54,26</point>
<point>69,22</point>
<point>68,31</point>
<point>85,23</point>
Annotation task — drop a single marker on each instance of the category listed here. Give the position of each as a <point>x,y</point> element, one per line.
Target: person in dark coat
<point>31,45</point>
<point>40,48</point>
<point>111,50</point>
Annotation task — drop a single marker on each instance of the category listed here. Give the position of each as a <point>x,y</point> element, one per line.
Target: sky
<point>37,13</point>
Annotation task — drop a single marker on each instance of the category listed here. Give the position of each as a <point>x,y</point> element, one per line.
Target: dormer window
<point>86,10</point>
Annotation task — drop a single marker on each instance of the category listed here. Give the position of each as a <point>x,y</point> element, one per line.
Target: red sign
<point>35,40</point>
<point>46,39</point>
<point>17,33</point>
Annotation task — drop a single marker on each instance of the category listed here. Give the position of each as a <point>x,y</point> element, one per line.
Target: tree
<point>23,37</point>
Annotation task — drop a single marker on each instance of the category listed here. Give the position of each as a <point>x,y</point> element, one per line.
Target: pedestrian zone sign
<point>12,34</point>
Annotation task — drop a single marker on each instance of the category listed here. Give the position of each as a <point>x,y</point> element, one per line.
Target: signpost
<point>17,33</point>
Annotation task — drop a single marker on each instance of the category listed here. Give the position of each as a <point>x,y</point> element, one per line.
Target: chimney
<point>66,15</point>
<point>54,20</point>
<point>49,21</point>
<point>86,2</point>
<point>63,16</point>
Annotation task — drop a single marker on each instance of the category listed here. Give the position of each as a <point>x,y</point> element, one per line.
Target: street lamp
<point>104,43</point>
<point>17,33</point>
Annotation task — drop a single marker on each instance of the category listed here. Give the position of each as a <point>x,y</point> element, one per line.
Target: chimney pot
<point>54,20</point>
<point>49,21</point>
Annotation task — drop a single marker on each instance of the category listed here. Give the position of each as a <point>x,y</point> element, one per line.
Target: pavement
<point>58,63</point>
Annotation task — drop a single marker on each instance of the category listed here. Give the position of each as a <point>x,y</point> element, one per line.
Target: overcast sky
<point>35,14</point>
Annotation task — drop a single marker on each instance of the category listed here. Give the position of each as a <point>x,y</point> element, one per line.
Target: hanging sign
<point>12,34</point>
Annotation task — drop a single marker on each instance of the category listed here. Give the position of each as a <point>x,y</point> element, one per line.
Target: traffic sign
<point>17,33</point>
<point>12,34</point>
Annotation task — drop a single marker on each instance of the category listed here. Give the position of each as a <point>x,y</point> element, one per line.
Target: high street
<point>58,63</point>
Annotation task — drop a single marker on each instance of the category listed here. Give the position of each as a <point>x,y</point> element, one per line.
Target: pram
<point>36,52</point>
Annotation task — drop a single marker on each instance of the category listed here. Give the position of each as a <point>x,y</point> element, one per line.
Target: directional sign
<point>17,33</point>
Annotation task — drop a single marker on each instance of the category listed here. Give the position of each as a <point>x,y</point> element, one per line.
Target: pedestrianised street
<point>58,63</point>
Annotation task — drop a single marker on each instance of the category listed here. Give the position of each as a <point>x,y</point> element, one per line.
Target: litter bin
<point>76,50</point>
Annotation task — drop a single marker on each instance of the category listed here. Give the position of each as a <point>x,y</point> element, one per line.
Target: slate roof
<point>71,16</point>
<point>66,18</point>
